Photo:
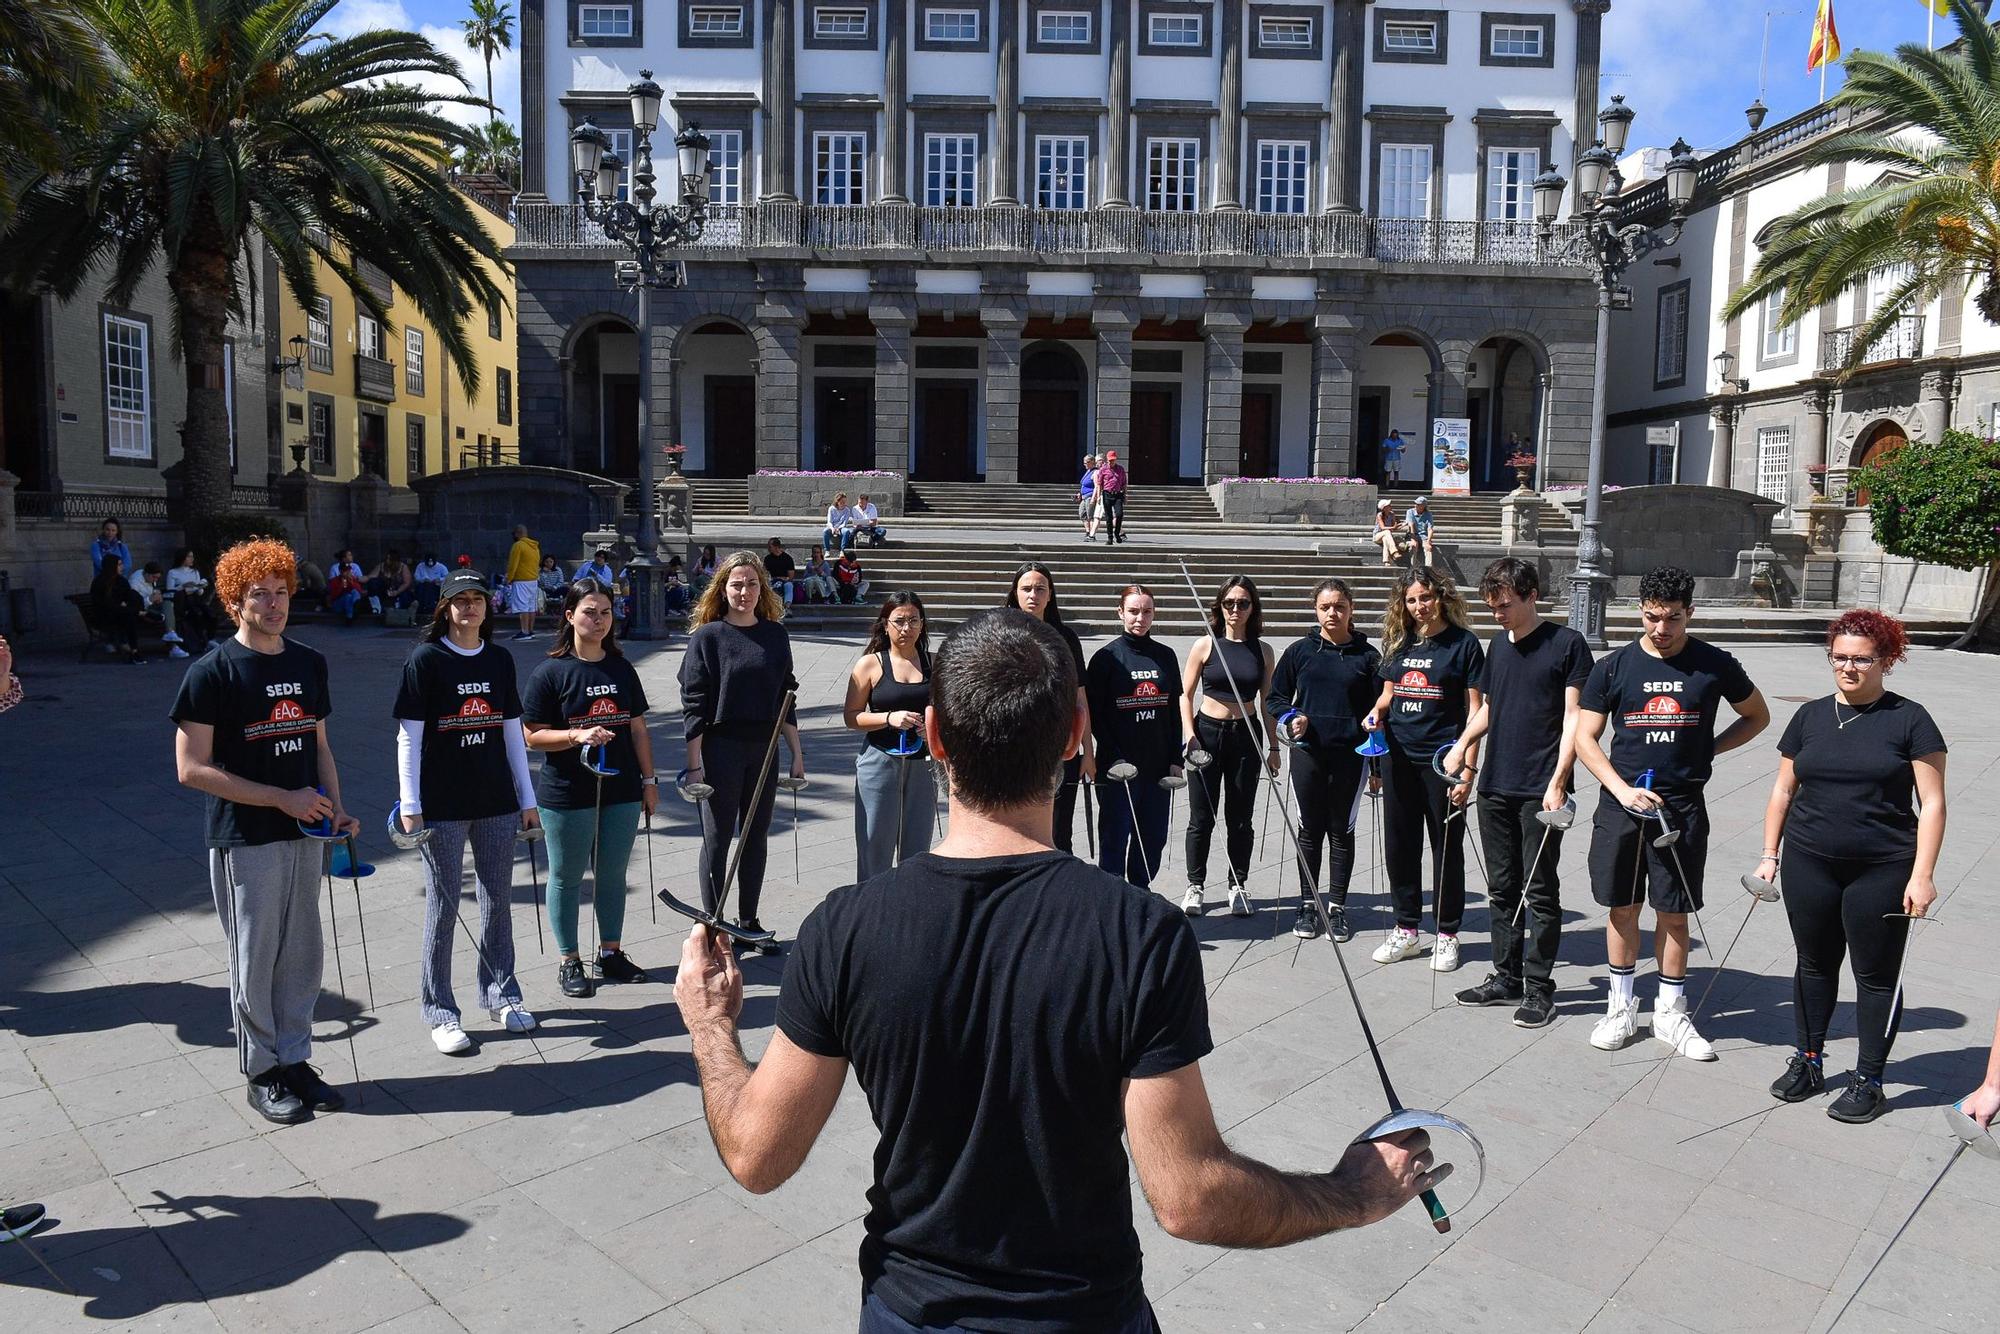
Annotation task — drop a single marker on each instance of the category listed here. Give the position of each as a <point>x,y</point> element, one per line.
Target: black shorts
<point>1618,841</point>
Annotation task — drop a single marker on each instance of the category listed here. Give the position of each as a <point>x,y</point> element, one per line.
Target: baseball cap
<point>1384,503</point>
<point>462,581</point>
<point>1422,500</point>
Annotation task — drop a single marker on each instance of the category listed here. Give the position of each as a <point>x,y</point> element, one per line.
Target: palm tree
<point>50,74</point>
<point>225,120</point>
<point>497,151</point>
<point>489,31</point>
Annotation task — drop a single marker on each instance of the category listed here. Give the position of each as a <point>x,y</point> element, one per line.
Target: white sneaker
<point>513,1018</point>
<point>1239,901</point>
<point>450,1039</point>
<point>1444,954</point>
<point>170,638</point>
<point>177,652</point>
<point>1619,1026</point>
<point>1401,944</point>
<point>1191,903</point>
<point>1673,1026</point>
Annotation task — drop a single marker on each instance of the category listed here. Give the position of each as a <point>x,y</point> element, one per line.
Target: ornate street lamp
<point>650,234</point>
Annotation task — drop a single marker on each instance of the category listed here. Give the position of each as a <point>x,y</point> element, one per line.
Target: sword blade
<point>1957,1149</point>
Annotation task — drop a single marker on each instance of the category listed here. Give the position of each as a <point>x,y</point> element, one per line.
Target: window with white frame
<point>413,439</point>
<point>951,25</point>
<point>1410,37</point>
<point>1063,27</point>
<point>951,170</point>
<point>413,360</point>
<point>842,25</point>
<point>1406,180</point>
<point>368,335</point>
<point>1173,29</point>
<point>319,335</point>
<point>319,431</point>
<point>1774,463</point>
<point>1780,340</point>
<point>620,142</point>
<point>1516,41</point>
<point>1172,170</point>
<point>128,389</point>
<point>1062,171</point>
<point>725,167</point>
<point>1510,183</point>
<point>1285,33</point>
<point>604,20</point>
<point>1670,334</point>
<point>840,163</point>
<point>1282,174</point>
<point>715,21</point>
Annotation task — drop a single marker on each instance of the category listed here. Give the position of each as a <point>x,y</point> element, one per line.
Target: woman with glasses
<point>1033,591</point>
<point>1858,809</point>
<point>1229,672</point>
<point>887,693</point>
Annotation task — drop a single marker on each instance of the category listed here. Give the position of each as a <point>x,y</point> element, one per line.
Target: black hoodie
<point>1333,685</point>
<point>1134,689</point>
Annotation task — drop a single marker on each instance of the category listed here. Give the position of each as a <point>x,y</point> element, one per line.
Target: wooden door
<point>1051,446</point>
<point>729,421</point>
<point>1258,426</point>
<point>844,423</point>
<point>944,430</point>
<point>1155,435</point>
<point>620,446</point>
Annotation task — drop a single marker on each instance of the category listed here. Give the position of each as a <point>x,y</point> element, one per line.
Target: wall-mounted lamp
<point>296,361</point>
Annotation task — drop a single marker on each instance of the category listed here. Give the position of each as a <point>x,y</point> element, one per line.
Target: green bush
<point>1938,503</point>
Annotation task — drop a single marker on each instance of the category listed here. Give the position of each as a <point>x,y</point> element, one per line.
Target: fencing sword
<point>1455,777</point>
<point>1760,891</point>
<point>1562,817</point>
<point>906,746</point>
<point>1400,1118</point>
<point>42,1224</point>
<point>321,831</point>
<point>792,783</point>
<point>1896,996</point>
<point>1372,750</point>
<point>717,921</point>
<point>1122,773</point>
<point>599,764</point>
<point>1966,1134</point>
<point>531,835</point>
<point>1195,759</point>
<point>1669,838</point>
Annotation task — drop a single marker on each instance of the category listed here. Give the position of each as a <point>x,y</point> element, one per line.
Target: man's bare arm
<point>1753,715</point>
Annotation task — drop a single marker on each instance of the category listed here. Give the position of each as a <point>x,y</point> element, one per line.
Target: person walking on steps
<point>524,589</point>
<point>1431,674</point>
<point>1322,688</point>
<point>251,735</point>
<point>1086,498</point>
<point>587,695</point>
<point>734,674</point>
<point>1134,683</point>
<point>1660,695</point>
<point>1033,590</point>
<point>1535,672</point>
<point>1233,734</point>
<point>462,771</point>
<point>887,692</point>
<point>1858,811</point>
<point>1111,487</point>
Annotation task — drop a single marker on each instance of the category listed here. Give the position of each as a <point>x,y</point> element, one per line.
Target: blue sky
<point>438,20</point>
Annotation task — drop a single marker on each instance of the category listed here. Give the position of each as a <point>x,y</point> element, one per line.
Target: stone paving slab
<point>569,1182</point>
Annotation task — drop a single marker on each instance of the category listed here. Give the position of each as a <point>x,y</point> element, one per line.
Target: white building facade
<point>975,240</point>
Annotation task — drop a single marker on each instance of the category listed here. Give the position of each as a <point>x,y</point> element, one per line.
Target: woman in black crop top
<point>895,795</point>
<point>1231,671</point>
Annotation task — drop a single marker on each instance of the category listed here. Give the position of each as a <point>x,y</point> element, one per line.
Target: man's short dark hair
<point>1667,583</point>
<point>1004,687</point>
<point>1513,575</point>
<point>152,567</point>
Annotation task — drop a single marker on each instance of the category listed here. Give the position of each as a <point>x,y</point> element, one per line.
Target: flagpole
<point>1930,27</point>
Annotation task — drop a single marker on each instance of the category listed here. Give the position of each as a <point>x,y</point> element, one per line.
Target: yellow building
<point>365,399</point>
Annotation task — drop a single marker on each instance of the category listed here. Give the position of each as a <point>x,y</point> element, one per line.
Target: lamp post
<point>1610,249</point>
<point>650,233</point>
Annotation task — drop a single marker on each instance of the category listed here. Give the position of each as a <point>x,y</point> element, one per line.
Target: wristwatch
<point>649,780</point>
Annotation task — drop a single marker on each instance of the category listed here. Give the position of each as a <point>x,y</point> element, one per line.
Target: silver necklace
<point>1860,711</point>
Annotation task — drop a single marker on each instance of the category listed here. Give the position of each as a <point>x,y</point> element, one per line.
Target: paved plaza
<point>568,1182</point>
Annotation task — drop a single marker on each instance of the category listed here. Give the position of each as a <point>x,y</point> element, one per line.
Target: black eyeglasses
<point>1236,604</point>
<point>1859,664</point>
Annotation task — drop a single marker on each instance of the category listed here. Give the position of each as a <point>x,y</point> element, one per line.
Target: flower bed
<point>796,491</point>
<point>1318,500</point>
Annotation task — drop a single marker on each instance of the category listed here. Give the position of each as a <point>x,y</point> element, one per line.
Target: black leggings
<point>1230,782</point>
<point>730,764</point>
<point>1065,815</point>
<point>1328,786</point>
<point>1836,908</point>
<point>1415,802</point>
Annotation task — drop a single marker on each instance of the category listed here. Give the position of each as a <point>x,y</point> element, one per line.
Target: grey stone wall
<point>811,494</point>
<point>1246,501</point>
<point>1702,529</point>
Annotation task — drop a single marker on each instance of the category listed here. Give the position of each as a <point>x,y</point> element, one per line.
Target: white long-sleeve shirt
<point>839,517</point>
<point>410,755</point>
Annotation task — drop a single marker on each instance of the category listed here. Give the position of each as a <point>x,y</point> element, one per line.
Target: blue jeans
<point>876,534</point>
<point>843,540</point>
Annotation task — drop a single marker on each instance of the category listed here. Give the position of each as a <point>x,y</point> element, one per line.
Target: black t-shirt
<point>1526,686</point>
<point>1431,677</point>
<point>1856,797</point>
<point>991,1010</point>
<point>780,566</point>
<point>1662,710</point>
<point>463,702</point>
<point>266,709</point>
<point>569,692</point>
<point>1134,689</point>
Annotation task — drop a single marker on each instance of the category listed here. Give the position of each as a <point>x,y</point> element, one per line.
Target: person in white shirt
<point>145,581</point>
<point>866,522</point>
<point>189,601</point>
<point>839,524</point>
<point>430,574</point>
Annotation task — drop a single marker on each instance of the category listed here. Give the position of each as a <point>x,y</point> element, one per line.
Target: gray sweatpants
<point>878,776</point>
<point>492,842</point>
<point>268,899</point>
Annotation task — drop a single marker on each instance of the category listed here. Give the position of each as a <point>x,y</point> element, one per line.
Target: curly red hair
<point>248,562</point>
<point>1885,632</point>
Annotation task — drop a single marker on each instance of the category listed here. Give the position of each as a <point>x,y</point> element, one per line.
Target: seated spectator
<point>848,584</point>
<point>10,685</point>
<point>392,583</point>
<point>344,586</point>
<point>145,582</point>
<point>704,570</point>
<point>866,522</point>
<point>109,541</point>
<point>193,605</point>
<point>675,591</point>
<point>552,582</point>
<point>839,535</point>
<point>598,567</point>
<point>431,574</point>
<point>1423,529</point>
<point>1388,534</point>
<point>117,607</point>
<point>819,577</point>
<point>778,563</point>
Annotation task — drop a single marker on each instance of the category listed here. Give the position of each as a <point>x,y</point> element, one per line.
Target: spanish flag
<point>1825,48</point>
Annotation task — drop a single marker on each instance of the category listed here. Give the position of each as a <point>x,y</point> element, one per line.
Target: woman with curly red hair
<point>1858,851</point>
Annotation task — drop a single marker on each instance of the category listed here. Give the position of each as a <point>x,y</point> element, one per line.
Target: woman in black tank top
<point>895,795</point>
<point>1231,672</point>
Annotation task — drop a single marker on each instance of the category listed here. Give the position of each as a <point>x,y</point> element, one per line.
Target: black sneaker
<point>575,982</point>
<point>1307,926</point>
<point>1537,1008</point>
<point>1493,991</point>
<point>1803,1078</point>
<point>1862,1102</point>
<point>762,947</point>
<point>313,1091</point>
<point>618,967</point>
<point>1337,924</point>
<point>273,1099</point>
<point>20,1220</point>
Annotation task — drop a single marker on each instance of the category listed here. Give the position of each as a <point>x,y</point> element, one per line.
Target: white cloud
<point>352,16</point>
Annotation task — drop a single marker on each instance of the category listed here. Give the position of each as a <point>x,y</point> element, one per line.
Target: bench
<point>150,626</point>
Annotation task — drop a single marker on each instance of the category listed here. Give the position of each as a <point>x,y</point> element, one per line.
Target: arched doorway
<point>1052,407</point>
<point>1880,441</point>
<point>604,398</point>
<point>1393,393</point>
<point>1504,401</point>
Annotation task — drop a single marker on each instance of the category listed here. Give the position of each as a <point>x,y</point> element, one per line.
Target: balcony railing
<point>1901,341</point>
<point>1076,233</point>
<point>374,378</point>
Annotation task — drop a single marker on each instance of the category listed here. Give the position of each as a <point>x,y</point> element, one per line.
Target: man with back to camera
<point>1659,693</point>
<point>1009,1010</point>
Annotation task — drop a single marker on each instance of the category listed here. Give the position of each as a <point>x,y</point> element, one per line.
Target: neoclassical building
<point>974,239</point>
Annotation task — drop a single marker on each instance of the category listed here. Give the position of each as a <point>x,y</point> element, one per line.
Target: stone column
<point>1589,58</point>
<point>780,83</point>
<point>1447,394</point>
<point>1114,381</point>
<point>892,385</point>
<point>780,442</point>
<point>1222,366</point>
<point>1819,423</point>
<point>8,482</point>
<point>1229,146</point>
<point>895,98</point>
<point>566,422</point>
<point>1006,104</point>
<point>1335,357</point>
<point>1118,105</point>
<point>1003,391</point>
<point>534,126</point>
<point>1349,36</point>
<point>1722,449</point>
<point>1939,388</point>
